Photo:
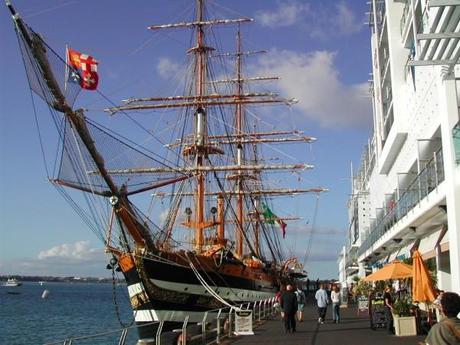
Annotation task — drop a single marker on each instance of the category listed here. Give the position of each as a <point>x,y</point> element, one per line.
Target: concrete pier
<point>352,330</point>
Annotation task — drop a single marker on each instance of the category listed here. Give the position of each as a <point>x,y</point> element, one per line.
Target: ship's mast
<point>200,128</point>
<point>239,152</point>
<point>198,146</point>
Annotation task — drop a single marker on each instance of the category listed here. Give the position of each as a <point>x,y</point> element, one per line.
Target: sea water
<point>70,311</point>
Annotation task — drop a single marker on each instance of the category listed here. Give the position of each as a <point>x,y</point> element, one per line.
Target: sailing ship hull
<point>171,290</point>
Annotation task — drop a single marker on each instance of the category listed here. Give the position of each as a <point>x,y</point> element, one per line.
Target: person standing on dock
<point>322,302</point>
<point>388,302</point>
<point>288,302</point>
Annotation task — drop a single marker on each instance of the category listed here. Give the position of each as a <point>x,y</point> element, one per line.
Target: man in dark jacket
<point>288,303</point>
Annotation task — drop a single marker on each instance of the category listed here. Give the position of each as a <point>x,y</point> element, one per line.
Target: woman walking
<point>335,298</point>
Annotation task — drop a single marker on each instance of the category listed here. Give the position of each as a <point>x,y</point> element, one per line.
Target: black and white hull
<point>167,291</point>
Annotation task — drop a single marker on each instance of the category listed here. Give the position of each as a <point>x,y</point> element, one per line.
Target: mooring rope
<point>209,288</point>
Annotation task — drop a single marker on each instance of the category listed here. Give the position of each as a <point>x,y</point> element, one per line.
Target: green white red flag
<point>271,218</point>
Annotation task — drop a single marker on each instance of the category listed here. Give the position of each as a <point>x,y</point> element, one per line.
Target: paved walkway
<point>353,330</point>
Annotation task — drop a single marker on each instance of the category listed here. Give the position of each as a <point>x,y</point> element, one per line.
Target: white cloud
<point>68,259</point>
<point>313,79</point>
<point>346,20</point>
<point>78,251</point>
<point>307,229</point>
<point>323,248</point>
<point>165,67</point>
<point>285,15</point>
<point>316,19</point>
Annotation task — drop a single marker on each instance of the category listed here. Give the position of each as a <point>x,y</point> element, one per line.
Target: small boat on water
<point>12,282</point>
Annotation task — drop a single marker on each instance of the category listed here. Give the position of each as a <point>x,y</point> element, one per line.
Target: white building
<point>406,193</point>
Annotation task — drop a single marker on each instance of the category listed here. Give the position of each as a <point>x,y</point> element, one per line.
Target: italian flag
<point>271,218</point>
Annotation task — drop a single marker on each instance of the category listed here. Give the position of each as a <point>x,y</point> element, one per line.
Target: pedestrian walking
<point>322,301</point>
<point>277,305</point>
<point>336,299</point>
<point>288,302</point>
<point>301,300</point>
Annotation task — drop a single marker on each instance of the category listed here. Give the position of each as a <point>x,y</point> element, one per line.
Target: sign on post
<point>243,322</point>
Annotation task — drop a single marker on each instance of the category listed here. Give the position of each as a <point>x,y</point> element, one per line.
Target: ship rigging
<point>219,242</point>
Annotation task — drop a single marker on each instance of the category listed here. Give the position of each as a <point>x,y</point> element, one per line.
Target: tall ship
<point>217,240</point>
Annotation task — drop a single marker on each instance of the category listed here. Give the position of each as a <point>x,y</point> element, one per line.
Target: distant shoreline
<point>51,279</point>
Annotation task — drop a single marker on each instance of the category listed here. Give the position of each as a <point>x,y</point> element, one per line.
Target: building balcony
<point>351,266</point>
<point>436,33</point>
<point>391,146</point>
<point>425,182</point>
<point>351,269</point>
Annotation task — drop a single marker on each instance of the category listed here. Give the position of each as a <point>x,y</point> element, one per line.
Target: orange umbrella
<point>422,285</point>
<point>393,270</point>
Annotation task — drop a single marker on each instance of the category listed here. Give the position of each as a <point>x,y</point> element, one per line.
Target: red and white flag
<point>86,66</point>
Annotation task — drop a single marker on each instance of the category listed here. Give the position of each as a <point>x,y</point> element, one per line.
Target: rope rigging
<point>313,226</point>
<point>101,163</point>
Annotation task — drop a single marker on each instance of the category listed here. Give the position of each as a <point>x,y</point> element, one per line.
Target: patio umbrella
<point>422,285</point>
<point>393,270</point>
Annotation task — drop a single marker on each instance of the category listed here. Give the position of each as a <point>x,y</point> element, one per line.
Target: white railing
<point>208,331</point>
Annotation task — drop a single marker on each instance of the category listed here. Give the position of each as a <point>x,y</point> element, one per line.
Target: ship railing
<point>215,326</point>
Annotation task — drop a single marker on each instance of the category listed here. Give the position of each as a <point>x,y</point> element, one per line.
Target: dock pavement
<point>353,329</point>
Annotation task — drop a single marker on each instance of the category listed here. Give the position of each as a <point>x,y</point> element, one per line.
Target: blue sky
<point>320,49</point>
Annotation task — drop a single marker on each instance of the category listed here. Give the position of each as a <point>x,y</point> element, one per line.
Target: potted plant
<point>361,292</point>
<point>363,289</point>
<point>403,318</point>
<point>402,307</point>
